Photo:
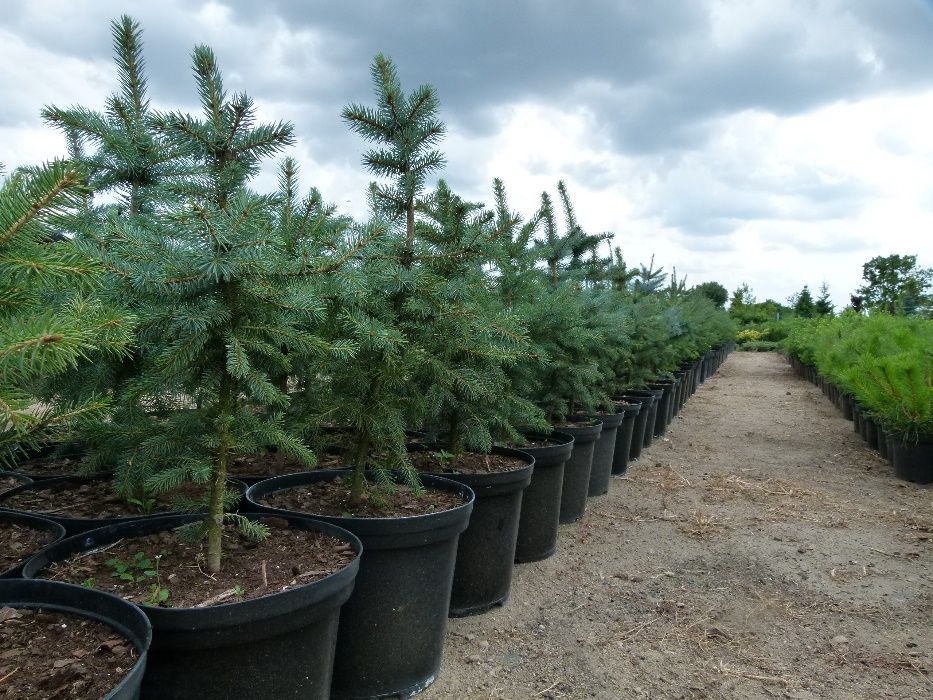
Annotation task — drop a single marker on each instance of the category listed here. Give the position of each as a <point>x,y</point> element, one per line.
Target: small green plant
<point>145,503</point>
<point>88,582</point>
<point>238,591</point>
<point>158,594</point>
<point>138,569</point>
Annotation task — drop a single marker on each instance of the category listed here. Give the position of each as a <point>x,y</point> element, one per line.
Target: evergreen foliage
<point>405,129</point>
<point>803,303</point>
<point>885,361</point>
<point>272,321</point>
<point>227,283</point>
<point>50,318</point>
<point>129,158</point>
<point>823,306</point>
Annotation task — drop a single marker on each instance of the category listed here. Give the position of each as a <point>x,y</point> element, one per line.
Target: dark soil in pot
<point>80,504</point>
<point>486,551</point>
<point>21,536</point>
<point>251,469</point>
<point>539,520</point>
<point>913,458</point>
<point>51,462</point>
<point>264,627</point>
<point>620,457</point>
<point>576,482</point>
<point>392,630</point>
<point>11,481</point>
<point>603,454</point>
<point>59,641</point>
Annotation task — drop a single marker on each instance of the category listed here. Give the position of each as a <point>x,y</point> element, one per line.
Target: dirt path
<point>759,551</point>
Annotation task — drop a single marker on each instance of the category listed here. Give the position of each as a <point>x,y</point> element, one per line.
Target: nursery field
<point>760,550</point>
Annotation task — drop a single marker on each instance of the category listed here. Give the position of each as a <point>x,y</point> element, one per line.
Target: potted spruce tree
<point>518,283</point>
<point>568,383</point>
<point>470,341</point>
<point>225,306</point>
<point>39,339</point>
<point>51,322</point>
<point>392,631</point>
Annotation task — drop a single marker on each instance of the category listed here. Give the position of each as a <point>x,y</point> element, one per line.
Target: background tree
<point>895,284</point>
<point>713,291</point>
<point>803,303</point>
<point>743,295</point>
<point>823,306</point>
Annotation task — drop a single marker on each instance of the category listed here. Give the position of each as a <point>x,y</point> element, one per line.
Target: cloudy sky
<point>775,142</point>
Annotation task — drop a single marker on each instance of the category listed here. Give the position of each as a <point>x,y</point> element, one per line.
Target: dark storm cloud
<point>666,80</point>
<point>656,80</point>
<point>663,80</point>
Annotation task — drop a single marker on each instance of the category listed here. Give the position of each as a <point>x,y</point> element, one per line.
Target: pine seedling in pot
<point>131,167</point>
<point>471,339</point>
<point>228,304</point>
<point>560,323</point>
<point>373,396</point>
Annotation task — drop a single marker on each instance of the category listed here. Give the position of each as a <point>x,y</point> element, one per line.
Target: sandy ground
<point>759,551</point>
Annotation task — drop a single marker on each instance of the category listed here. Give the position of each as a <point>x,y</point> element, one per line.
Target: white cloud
<point>793,176</point>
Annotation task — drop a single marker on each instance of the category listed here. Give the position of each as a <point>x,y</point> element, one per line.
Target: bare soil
<point>19,542</point>
<point>8,482</point>
<point>759,550</point>
<point>55,655</point>
<point>333,498</point>
<point>97,499</point>
<point>139,569</point>
<point>49,467</point>
<point>428,462</point>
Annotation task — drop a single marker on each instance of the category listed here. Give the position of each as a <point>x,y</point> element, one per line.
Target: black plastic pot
<point>125,619</point>
<point>391,634</point>
<point>577,470</point>
<point>25,459</point>
<point>683,389</point>
<point>641,423</point>
<point>620,457</point>
<point>848,401</point>
<point>603,453</point>
<point>75,525</point>
<point>869,430</point>
<point>278,646</point>
<point>913,458</point>
<point>486,551</point>
<point>691,369</point>
<point>539,520</point>
<point>881,434</point>
<point>653,411</point>
<point>34,522</point>
<point>662,415</point>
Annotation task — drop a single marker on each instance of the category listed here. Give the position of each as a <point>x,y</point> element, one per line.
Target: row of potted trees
<point>356,422</point>
<point>878,371</point>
